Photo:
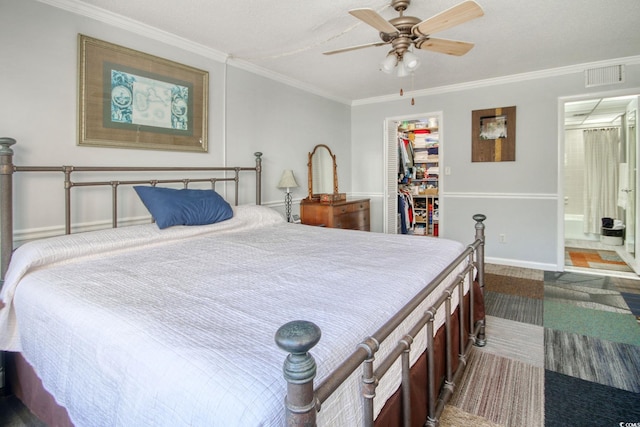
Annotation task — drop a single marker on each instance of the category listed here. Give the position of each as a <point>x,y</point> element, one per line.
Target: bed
<point>246,321</point>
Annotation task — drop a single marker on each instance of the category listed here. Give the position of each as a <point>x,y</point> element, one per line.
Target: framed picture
<point>493,135</point>
<point>130,99</point>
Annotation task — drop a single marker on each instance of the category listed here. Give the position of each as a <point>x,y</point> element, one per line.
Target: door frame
<point>390,224</point>
<point>560,167</point>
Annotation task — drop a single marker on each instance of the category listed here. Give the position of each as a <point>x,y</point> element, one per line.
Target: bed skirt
<point>391,413</point>
<point>26,385</point>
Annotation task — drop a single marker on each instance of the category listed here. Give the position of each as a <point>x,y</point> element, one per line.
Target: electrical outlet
<point>503,238</point>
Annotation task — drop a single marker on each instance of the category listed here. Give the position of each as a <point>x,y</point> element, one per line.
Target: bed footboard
<point>304,400</point>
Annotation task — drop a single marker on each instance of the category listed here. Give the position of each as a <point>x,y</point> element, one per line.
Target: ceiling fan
<point>403,31</point>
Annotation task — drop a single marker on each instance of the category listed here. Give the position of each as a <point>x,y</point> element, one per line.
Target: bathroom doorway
<point>600,176</point>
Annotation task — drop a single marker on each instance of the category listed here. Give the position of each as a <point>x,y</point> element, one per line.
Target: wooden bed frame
<point>463,329</point>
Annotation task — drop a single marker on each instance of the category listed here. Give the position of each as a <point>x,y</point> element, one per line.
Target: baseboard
<point>522,264</point>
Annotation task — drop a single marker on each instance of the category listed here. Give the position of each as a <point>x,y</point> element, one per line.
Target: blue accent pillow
<point>171,206</point>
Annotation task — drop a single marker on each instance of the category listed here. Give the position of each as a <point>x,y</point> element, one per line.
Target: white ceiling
<point>287,38</point>
<point>596,112</point>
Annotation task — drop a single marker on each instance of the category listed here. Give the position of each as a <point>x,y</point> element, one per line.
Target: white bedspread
<point>145,327</point>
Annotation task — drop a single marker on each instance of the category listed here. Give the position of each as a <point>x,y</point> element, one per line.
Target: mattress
<point>140,326</point>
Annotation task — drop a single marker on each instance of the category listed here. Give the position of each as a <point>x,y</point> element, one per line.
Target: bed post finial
<point>5,145</point>
<point>258,155</point>
<point>297,338</point>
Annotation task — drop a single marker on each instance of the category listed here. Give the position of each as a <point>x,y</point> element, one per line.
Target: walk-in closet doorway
<point>391,160</point>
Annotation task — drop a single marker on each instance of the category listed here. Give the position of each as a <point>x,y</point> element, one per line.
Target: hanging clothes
<point>405,209</point>
<point>405,159</point>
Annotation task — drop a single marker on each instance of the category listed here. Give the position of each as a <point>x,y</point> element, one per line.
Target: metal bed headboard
<point>7,169</point>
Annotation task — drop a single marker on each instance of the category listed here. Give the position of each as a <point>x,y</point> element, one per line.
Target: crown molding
<point>137,27</point>
<point>514,78</point>
<point>247,66</point>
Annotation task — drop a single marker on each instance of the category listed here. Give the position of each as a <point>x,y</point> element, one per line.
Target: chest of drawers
<point>349,214</point>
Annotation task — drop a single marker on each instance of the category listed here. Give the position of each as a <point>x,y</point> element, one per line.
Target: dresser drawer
<point>358,206</point>
<point>351,215</point>
<point>353,221</point>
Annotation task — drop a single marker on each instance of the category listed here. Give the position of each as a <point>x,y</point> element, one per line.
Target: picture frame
<point>493,135</point>
<point>130,99</point>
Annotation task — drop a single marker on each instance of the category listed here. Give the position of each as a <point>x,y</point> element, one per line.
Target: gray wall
<point>521,199</point>
<point>247,113</point>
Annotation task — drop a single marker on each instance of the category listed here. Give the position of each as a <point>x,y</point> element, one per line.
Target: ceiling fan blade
<point>373,18</point>
<point>361,46</point>
<point>463,12</point>
<point>450,47</point>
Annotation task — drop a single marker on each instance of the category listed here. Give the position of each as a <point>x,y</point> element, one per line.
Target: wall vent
<point>613,74</point>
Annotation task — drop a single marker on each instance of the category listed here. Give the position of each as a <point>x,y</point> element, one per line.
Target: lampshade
<point>287,180</point>
<point>402,69</point>
<point>411,61</point>
<point>388,63</point>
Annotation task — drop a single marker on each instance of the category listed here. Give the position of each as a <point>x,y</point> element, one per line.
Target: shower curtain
<point>601,177</point>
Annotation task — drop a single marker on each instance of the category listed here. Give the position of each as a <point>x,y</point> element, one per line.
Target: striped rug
<point>504,391</point>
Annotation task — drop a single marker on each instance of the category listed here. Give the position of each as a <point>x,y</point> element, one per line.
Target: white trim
<point>521,264</point>
<point>560,206</point>
<point>137,27</point>
<point>562,100</point>
<point>514,78</point>
<point>532,196</point>
<point>244,65</point>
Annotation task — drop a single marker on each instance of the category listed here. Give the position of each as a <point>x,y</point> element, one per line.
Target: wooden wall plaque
<point>493,135</point>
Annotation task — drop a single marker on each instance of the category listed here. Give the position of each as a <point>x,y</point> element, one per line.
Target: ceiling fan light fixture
<point>402,69</point>
<point>411,61</point>
<point>389,63</point>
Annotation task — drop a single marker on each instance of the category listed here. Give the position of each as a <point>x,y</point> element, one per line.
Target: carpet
<point>593,359</point>
<point>514,340</point>
<point>596,259</point>
<point>523,287</point>
<point>514,307</point>
<point>606,325</point>
<point>573,402</point>
<point>504,391</point>
<point>454,417</point>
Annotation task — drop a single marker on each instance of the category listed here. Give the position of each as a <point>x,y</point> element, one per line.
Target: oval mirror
<point>323,178</point>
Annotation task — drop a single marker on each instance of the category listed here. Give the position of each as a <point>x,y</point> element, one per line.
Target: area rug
<point>595,258</point>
